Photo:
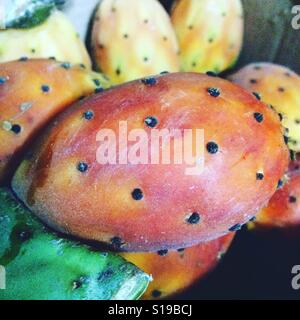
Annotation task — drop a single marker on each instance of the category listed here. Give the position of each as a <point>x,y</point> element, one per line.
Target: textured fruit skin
<point>98,203</point>
<point>209,32</point>
<point>31,93</point>
<point>56,37</point>
<point>131,44</point>
<point>278,86</point>
<point>283,210</point>
<point>41,265</point>
<point>177,271</point>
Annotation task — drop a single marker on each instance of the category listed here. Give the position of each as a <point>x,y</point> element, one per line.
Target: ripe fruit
<point>54,37</point>
<point>31,93</point>
<point>283,210</point>
<point>175,271</point>
<point>131,44</point>
<point>279,87</point>
<point>142,206</point>
<point>210,33</point>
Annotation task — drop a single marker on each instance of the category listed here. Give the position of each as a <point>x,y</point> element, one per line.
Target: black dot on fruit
<point>259,117</point>
<point>292,155</point>
<point>236,227</point>
<point>212,147</point>
<point>16,128</point>
<point>151,81</point>
<point>156,293</point>
<point>259,176</point>
<point>194,218</point>
<point>66,65</point>
<point>76,284</point>
<point>137,194</point>
<point>151,122</point>
<point>99,90</point>
<point>117,242</point>
<point>45,88</point>
<point>25,235</point>
<point>256,95</point>
<point>88,115</point>
<point>163,252</point>
<point>97,82</point>
<point>211,74</point>
<point>214,92</point>
<point>82,167</point>
<point>3,80</point>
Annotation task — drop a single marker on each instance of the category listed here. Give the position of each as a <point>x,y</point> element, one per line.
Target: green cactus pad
<point>41,265</point>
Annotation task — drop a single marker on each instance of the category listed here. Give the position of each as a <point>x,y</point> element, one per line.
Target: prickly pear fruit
<point>175,271</point>
<point>209,32</point>
<point>283,210</point>
<point>131,44</point>
<point>279,87</point>
<point>75,179</point>
<point>55,37</point>
<point>31,93</point>
<point>41,265</point>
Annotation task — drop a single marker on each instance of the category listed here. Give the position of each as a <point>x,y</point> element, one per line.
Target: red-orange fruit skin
<point>177,271</point>
<point>98,203</point>
<point>283,210</point>
<point>23,102</point>
<point>278,86</point>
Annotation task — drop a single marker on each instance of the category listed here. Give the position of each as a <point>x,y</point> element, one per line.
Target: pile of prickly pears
<point>127,169</point>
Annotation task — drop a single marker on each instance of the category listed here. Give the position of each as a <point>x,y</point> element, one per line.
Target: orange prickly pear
<point>139,206</point>
<point>31,93</point>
